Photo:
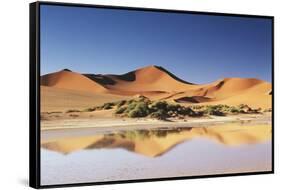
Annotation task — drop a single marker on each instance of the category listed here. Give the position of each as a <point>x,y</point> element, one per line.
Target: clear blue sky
<point>196,48</point>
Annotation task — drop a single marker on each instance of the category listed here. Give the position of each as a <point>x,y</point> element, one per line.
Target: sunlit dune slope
<point>151,79</point>
<point>66,79</point>
<point>256,96</point>
<point>58,99</point>
<point>231,91</point>
<point>232,86</point>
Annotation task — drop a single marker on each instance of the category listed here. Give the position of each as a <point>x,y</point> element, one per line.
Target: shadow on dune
<point>172,75</point>
<point>128,77</point>
<point>192,99</point>
<point>101,79</point>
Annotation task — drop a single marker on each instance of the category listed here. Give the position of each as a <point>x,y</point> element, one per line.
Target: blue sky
<point>196,48</point>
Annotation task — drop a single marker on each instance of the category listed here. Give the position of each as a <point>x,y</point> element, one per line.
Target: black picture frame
<point>34,93</point>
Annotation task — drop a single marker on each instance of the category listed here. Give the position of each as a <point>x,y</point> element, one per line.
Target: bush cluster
<point>143,107</point>
<point>157,109</point>
<point>72,111</point>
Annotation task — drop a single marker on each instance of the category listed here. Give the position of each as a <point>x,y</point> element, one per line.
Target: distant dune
<point>148,79</point>
<point>231,91</point>
<point>157,83</point>
<point>67,79</point>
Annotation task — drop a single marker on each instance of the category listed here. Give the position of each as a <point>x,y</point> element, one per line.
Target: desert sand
<point>61,99</point>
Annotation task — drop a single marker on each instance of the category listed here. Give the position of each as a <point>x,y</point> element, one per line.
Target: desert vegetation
<point>162,110</point>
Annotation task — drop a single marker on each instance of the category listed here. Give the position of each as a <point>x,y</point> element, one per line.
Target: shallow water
<point>89,155</point>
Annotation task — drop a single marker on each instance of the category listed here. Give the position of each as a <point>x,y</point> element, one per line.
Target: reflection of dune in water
<point>156,142</point>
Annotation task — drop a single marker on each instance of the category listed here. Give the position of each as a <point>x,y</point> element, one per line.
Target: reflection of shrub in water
<point>101,143</point>
<point>143,134</point>
<point>146,134</point>
<point>160,133</point>
<point>137,134</point>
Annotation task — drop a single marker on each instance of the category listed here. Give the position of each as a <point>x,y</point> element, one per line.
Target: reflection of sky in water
<point>196,156</point>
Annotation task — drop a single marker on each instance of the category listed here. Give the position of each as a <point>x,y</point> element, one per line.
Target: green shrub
<point>199,113</point>
<point>244,108</point>
<point>197,107</point>
<point>140,110</point>
<point>89,109</point>
<point>120,110</point>
<point>142,107</point>
<point>159,114</point>
<point>107,106</point>
<point>72,111</point>
<point>133,114</point>
<point>187,111</point>
<point>120,103</point>
<point>214,110</point>
<point>131,106</point>
<point>159,105</point>
<point>172,107</point>
<point>233,109</point>
<point>131,101</point>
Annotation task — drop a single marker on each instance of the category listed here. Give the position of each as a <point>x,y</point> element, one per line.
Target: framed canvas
<point>122,94</point>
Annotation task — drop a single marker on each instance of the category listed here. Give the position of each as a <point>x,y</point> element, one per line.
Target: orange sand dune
<point>151,78</point>
<point>230,86</point>
<point>70,80</point>
<point>231,91</point>
<point>157,83</point>
<point>256,96</point>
